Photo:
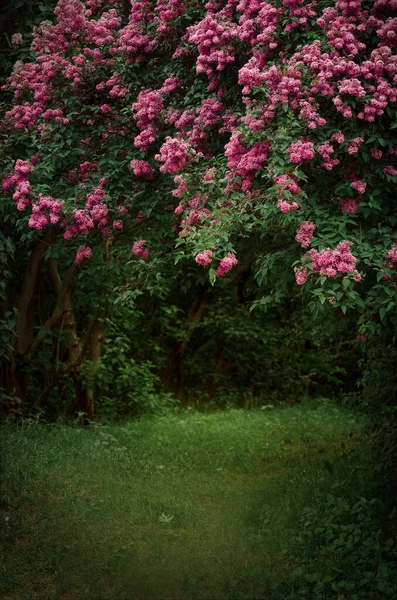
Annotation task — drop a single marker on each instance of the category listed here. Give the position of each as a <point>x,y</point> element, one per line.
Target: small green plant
<point>355,557</point>
<point>123,386</point>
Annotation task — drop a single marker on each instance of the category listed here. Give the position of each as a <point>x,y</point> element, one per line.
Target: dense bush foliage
<point>139,135</point>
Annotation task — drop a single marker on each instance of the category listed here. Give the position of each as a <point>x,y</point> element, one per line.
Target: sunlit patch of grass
<point>186,506</point>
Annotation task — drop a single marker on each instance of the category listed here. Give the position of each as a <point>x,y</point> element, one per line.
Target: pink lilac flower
<point>146,109</point>
<point>45,210</point>
<point>210,174</point>
<point>204,258</point>
<point>286,206</point>
<point>325,150</point>
<point>226,264</point>
<point>304,233</point>
<point>182,187</point>
<point>330,262</point>
<point>300,275</point>
<point>301,151</point>
<point>376,153</point>
<point>83,253</point>
<point>390,170</point>
<point>175,154</point>
<point>338,137</point>
<point>354,146</point>
<point>391,256</point>
<point>141,168</point>
<point>244,162</point>
<point>348,205</point>
<point>139,250</point>
<point>358,185</point>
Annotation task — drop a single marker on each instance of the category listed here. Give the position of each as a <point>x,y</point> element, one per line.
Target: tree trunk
<point>175,372</point>
<point>18,368</point>
<point>97,340</point>
<point>84,402</point>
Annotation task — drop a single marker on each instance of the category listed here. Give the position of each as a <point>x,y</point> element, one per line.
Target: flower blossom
<point>83,253</point>
<point>139,250</point>
<point>348,205</point>
<point>304,233</point>
<point>300,275</point>
<point>390,170</point>
<point>301,151</point>
<point>141,168</point>
<point>286,206</point>
<point>226,264</point>
<point>204,258</point>
<point>330,262</point>
<point>174,153</point>
<point>358,185</point>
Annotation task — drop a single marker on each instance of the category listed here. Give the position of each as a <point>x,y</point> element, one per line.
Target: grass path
<point>183,507</point>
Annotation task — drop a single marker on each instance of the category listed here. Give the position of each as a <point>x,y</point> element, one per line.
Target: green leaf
<point>212,276</point>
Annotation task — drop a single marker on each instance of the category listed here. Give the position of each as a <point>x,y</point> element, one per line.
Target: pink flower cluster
<point>325,150</point>
<point>244,162</point>
<point>193,217</point>
<point>227,263</point>
<point>354,146</point>
<point>348,205</point>
<point>170,85</point>
<point>182,187</point>
<point>338,137</point>
<point>330,262</point>
<point>376,153</point>
<point>175,154</point>
<point>301,151</point>
<point>304,233</point>
<point>19,178</point>
<point>95,213</point>
<point>391,257</point>
<point>204,258</point>
<point>17,40</point>
<point>390,170</point>
<point>310,114</point>
<point>139,250</point>
<point>287,186</point>
<point>301,274</point>
<point>141,168</point>
<point>83,253</point>
<point>359,186</point>
<point>147,108</point>
<point>286,206</point>
<point>213,36</point>
<point>45,210</point>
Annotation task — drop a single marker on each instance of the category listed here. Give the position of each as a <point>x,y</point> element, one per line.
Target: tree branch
<point>62,289</point>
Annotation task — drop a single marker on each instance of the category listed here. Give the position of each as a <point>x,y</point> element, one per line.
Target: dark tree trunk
<point>175,372</point>
<point>18,368</point>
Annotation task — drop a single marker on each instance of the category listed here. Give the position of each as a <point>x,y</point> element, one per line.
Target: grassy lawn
<point>187,506</point>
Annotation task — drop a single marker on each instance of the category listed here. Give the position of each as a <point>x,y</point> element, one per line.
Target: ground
<point>188,506</point>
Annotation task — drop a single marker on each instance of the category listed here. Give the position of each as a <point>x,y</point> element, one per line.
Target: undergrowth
<point>269,504</point>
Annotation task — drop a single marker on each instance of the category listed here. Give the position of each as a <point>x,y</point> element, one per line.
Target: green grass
<point>187,506</point>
